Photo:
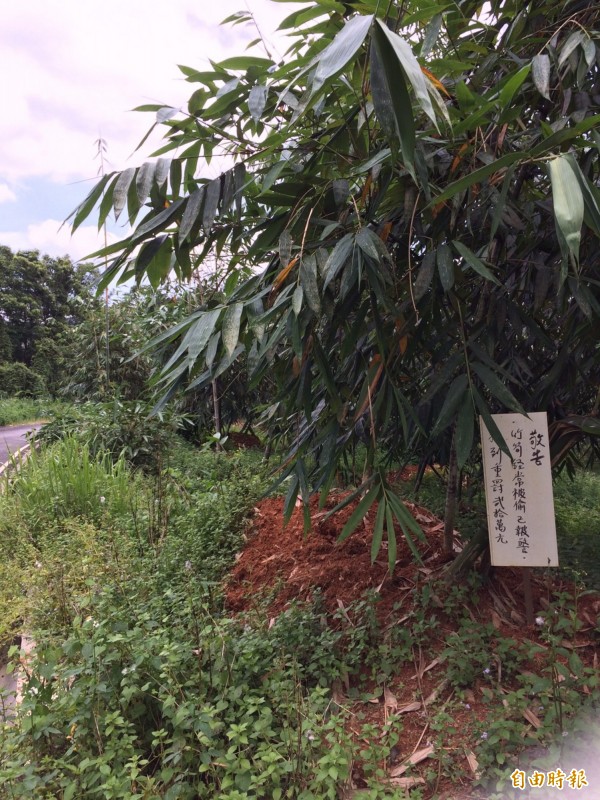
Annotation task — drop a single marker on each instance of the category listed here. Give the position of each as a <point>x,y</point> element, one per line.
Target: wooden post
<point>528,595</point>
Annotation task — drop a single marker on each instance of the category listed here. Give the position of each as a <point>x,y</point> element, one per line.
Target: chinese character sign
<point>518,492</point>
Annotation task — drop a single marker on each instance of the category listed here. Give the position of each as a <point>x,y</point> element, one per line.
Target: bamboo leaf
<point>197,337</point>
<point>341,50</point>
<point>147,252</point>
<point>411,68</point>
<point>290,499</point>
<point>403,516</point>
<point>159,267</point>
<point>308,279</point>
<point>430,37</point>
<point>464,433</point>
<point>338,258</point>
<point>478,176</point>
<point>425,275</point>
<point>121,189</point>
<point>567,199</point>
<point>143,180</point>
<point>445,264</point>
<point>191,214</point>
<point>454,397</point>
<point>498,389</point>
<point>107,202</point>
<point>488,420</point>
<point>540,72</point>
<point>391,537</point>
<point>257,100</point>
<point>285,247</point>
<point>230,328</point>
<point>213,193</point>
<point>512,86</point>
<point>211,349</point>
<point>378,530</point>
<point>391,99</point>
<point>360,512</point>
<point>475,263</point>
<point>161,171</point>
<point>297,300</point>
<point>156,223</point>
<point>84,209</point>
<point>574,40</point>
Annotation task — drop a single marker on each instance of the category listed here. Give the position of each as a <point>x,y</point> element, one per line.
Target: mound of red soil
<point>237,440</point>
<point>287,564</point>
<point>294,564</point>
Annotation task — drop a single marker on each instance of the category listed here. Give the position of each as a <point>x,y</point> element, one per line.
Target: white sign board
<point>518,492</point>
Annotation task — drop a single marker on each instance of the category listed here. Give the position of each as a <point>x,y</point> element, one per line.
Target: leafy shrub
<point>577,508</point>
<point>117,428</point>
<point>19,379</point>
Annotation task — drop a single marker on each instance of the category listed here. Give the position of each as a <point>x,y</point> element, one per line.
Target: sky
<point>72,71</point>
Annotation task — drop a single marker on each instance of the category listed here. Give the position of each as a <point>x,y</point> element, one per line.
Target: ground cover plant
<point>183,652</point>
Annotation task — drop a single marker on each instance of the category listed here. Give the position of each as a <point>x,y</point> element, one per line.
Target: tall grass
<point>65,480</point>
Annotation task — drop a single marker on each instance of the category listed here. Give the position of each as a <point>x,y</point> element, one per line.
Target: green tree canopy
<point>414,188</point>
<point>40,298</point>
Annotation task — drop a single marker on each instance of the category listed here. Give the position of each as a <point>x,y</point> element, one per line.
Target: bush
<point>118,428</point>
<point>19,379</point>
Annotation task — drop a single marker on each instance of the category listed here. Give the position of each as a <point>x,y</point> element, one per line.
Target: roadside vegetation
<point>14,410</point>
<point>143,684</point>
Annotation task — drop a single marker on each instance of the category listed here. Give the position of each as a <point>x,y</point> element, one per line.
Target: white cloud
<point>6,194</point>
<point>52,238</point>
<point>73,70</point>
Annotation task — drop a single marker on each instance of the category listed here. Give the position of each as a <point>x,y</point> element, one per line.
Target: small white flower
<point>310,736</point>
<point>468,706</point>
<point>484,735</point>
<point>188,565</point>
<point>487,671</point>
<point>539,621</point>
<point>103,500</point>
<point>38,564</point>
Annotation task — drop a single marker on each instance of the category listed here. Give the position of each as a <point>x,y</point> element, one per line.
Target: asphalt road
<point>13,437</point>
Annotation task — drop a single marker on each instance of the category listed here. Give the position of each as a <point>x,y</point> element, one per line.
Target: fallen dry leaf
<point>409,707</point>
<point>473,763</point>
<point>389,699</point>
<point>429,666</point>
<point>415,758</point>
<point>406,783</point>
<point>532,718</point>
<point>433,696</point>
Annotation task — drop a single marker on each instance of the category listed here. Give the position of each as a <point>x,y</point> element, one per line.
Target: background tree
<point>40,300</point>
<point>419,189</point>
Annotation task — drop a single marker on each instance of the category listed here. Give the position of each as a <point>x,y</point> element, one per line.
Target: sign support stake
<point>528,595</point>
